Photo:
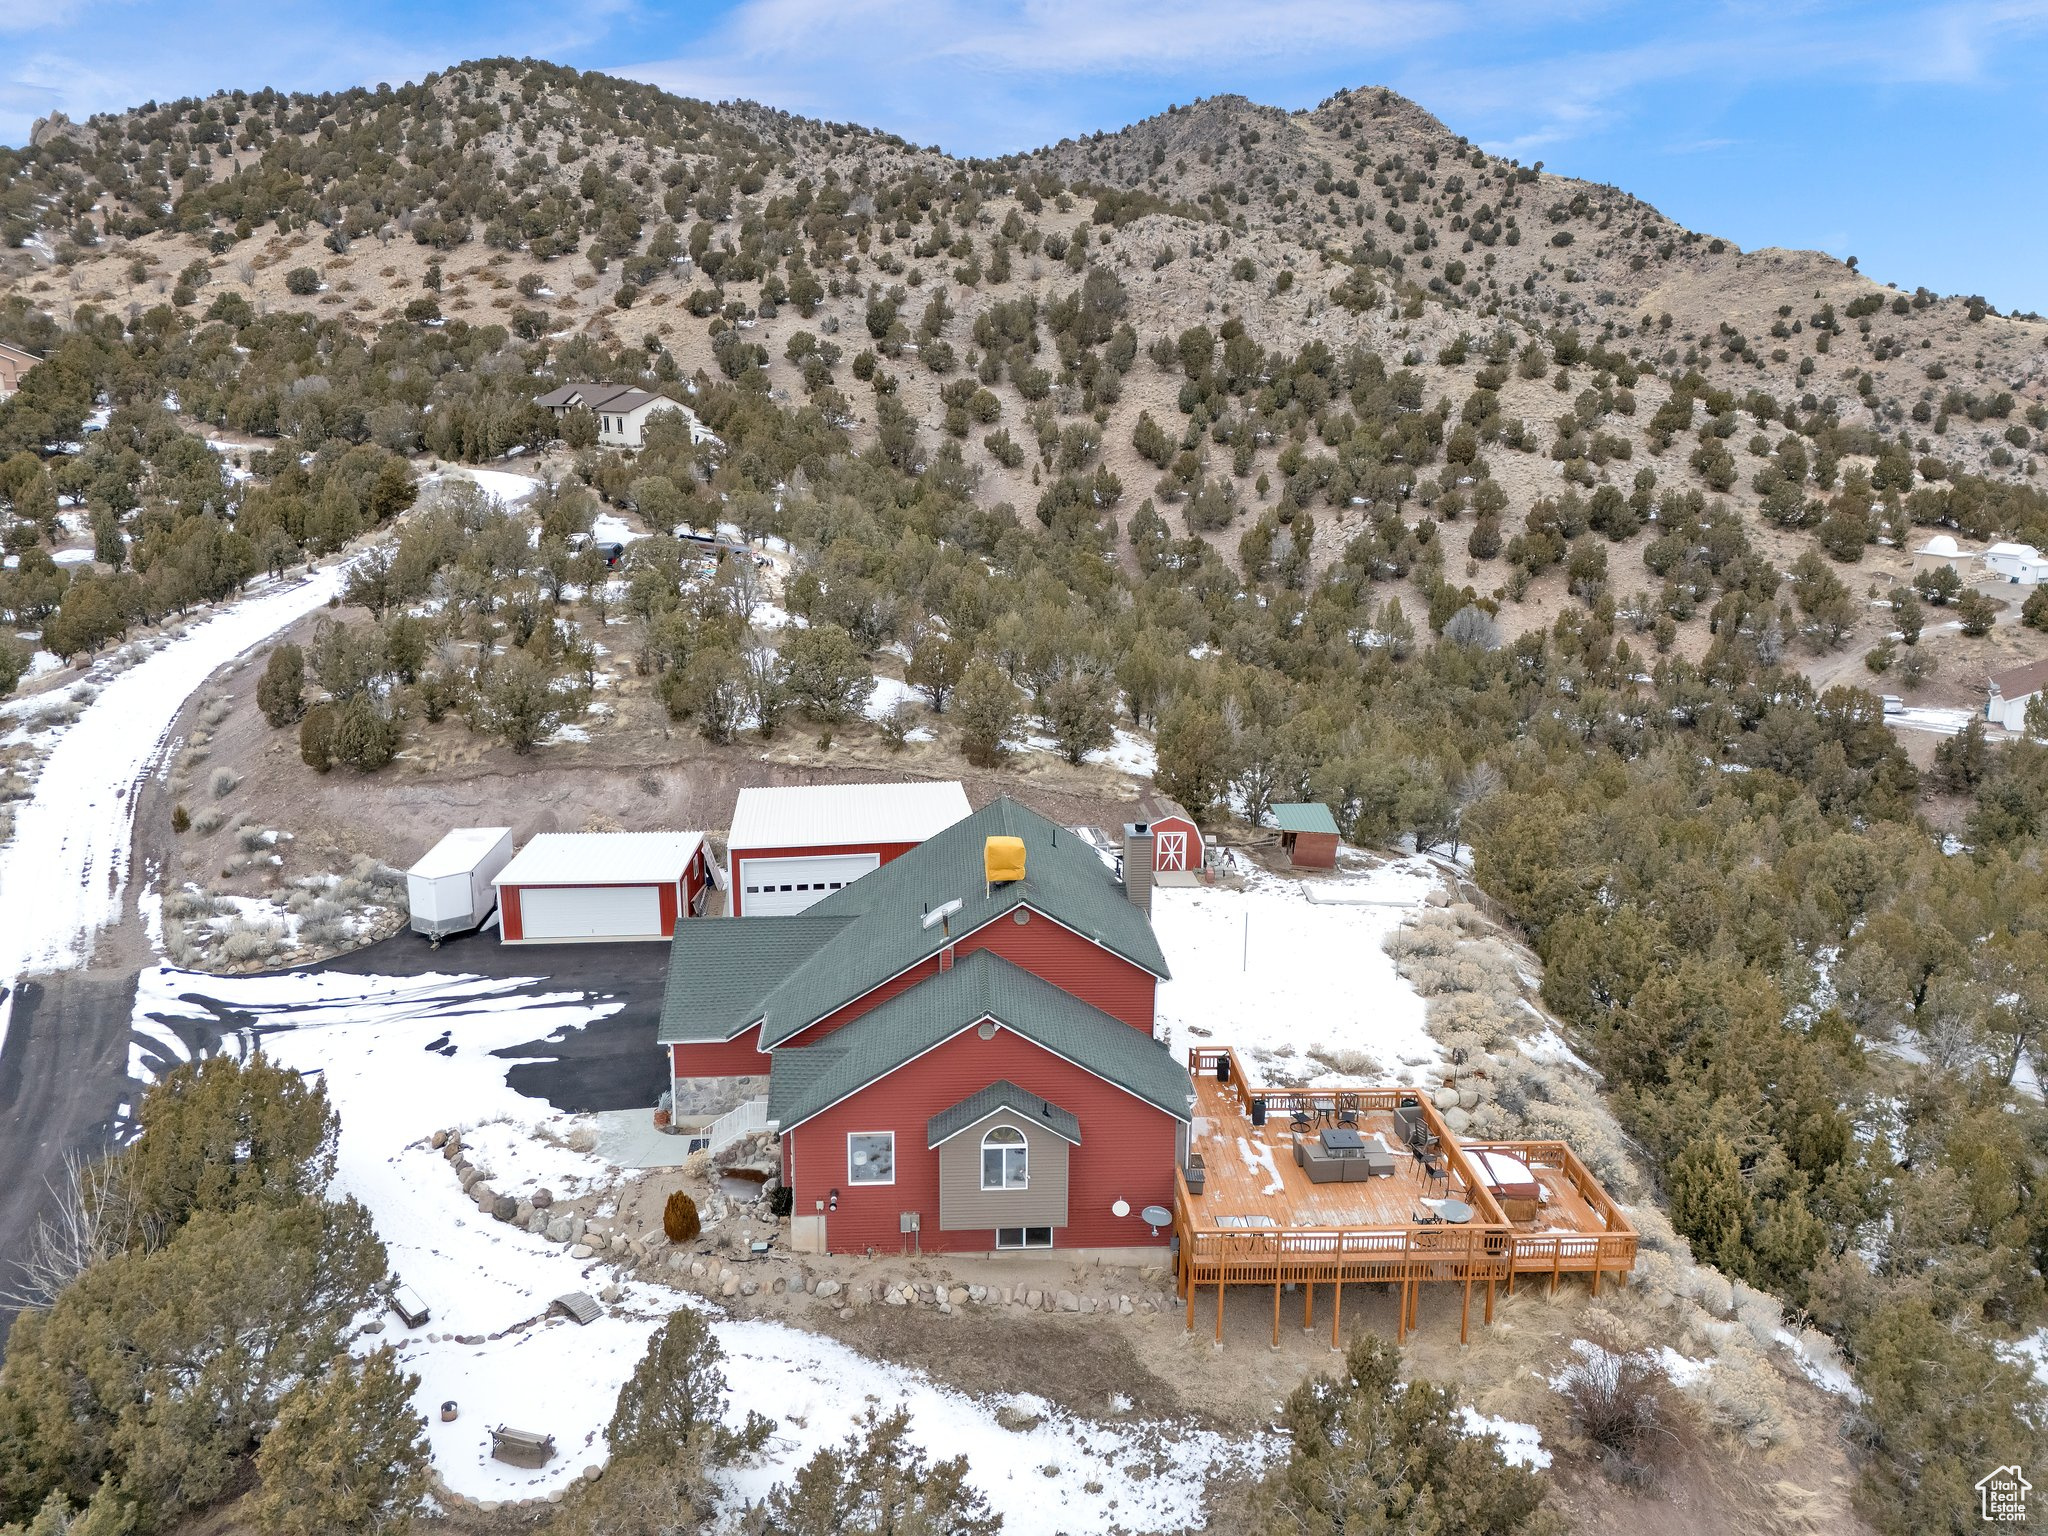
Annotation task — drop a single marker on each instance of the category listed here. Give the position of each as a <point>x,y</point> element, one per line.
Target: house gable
<point>1126,1154</point>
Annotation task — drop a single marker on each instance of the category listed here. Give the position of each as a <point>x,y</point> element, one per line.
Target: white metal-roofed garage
<point>796,845</point>
<point>565,887</point>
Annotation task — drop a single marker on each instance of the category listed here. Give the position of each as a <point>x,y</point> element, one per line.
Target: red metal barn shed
<point>1176,845</point>
<point>569,887</point>
<point>795,845</point>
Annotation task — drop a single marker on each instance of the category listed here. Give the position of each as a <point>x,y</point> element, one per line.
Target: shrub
<point>224,782</point>
<point>281,692</point>
<point>302,281</point>
<point>316,737</point>
<point>1621,1402</point>
<point>781,1201</point>
<point>679,1218</point>
<point>181,819</point>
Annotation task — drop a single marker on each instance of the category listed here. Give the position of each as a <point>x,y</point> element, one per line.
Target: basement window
<point>1023,1237</point>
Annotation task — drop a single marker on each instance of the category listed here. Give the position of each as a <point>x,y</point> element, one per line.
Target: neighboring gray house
<point>621,410</point>
<point>2010,691</point>
<point>14,366</point>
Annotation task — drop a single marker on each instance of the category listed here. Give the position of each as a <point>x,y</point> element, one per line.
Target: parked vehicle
<point>451,889</point>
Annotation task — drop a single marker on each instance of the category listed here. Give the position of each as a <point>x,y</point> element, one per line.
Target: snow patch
<point>1275,973</point>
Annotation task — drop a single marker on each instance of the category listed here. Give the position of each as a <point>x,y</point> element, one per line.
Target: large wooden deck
<point>1260,1220</point>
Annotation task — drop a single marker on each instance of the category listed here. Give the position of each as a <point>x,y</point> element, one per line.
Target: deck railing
<point>742,1118</point>
<point>1486,1248</point>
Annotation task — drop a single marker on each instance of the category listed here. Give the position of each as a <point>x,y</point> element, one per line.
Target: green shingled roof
<point>719,969</point>
<point>1004,1094</point>
<point>878,930</point>
<point>802,1081</point>
<point>1312,817</point>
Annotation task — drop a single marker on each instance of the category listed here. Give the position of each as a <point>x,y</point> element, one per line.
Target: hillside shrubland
<point>1352,463</point>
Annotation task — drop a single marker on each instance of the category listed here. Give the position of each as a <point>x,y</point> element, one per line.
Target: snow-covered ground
<point>609,528</point>
<point>1129,752</point>
<point>63,875</point>
<point>1940,722</point>
<point>404,1056</point>
<point>501,483</point>
<point>1519,1443</point>
<point>1284,967</point>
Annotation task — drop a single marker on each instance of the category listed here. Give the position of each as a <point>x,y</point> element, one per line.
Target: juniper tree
<point>348,1453</point>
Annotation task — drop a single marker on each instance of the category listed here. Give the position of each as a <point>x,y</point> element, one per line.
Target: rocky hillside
<point>1312,339</point>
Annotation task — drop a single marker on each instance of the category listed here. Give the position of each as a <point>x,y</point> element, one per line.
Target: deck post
<point>1465,1314</point>
<point>1276,1309</point>
<point>1596,1276</point>
<point>1556,1258</point>
<point>1219,1306</point>
<point>1336,1311</point>
<point>1308,1305</point>
<point>1489,1295</point>
<point>1190,1290</point>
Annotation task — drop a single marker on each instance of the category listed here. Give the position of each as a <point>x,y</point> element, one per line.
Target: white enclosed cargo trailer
<point>451,889</point>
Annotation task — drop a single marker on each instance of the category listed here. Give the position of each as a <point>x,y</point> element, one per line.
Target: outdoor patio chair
<point>1303,1120</point>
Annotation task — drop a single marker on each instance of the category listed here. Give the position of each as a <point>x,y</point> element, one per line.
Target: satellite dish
<point>938,915</point>
<point>1155,1217</point>
<point>1120,1208</point>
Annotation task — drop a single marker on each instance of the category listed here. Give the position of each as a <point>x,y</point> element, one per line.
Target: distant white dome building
<point>1938,551</point>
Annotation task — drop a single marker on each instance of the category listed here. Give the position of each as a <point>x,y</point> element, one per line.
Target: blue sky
<point>1906,134</point>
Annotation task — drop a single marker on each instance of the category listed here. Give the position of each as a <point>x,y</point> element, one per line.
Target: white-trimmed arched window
<point>1005,1159</point>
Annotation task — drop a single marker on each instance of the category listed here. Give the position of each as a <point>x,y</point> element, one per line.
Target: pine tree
<point>1710,1205</point>
<point>986,704</point>
<point>1080,710</point>
<point>281,694</point>
<point>667,1435</point>
<point>1369,1452</point>
<point>877,1482</point>
<point>348,1453</point>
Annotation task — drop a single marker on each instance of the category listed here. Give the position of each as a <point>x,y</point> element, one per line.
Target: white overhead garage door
<point>589,911</point>
<point>779,887</point>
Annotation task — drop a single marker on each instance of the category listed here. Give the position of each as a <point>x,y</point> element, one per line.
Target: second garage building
<point>565,887</point>
<point>796,845</point>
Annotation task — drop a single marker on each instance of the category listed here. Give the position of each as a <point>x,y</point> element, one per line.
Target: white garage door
<point>589,911</point>
<point>778,887</point>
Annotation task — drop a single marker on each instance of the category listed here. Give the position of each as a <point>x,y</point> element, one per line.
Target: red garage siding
<point>508,912</point>
<point>740,1056</point>
<point>1053,953</point>
<point>1126,1152</point>
<point>887,852</point>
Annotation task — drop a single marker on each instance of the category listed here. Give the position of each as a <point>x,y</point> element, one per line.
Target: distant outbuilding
<point>1308,834</point>
<point>793,845</point>
<point>565,887</point>
<point>2021,564</point>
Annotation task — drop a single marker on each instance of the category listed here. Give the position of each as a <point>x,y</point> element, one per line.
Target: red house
<point>957,1048</point>
<point>792,846</point>
<point>569,887</point>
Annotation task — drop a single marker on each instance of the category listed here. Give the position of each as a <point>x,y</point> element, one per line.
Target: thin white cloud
<point>39,15</point>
